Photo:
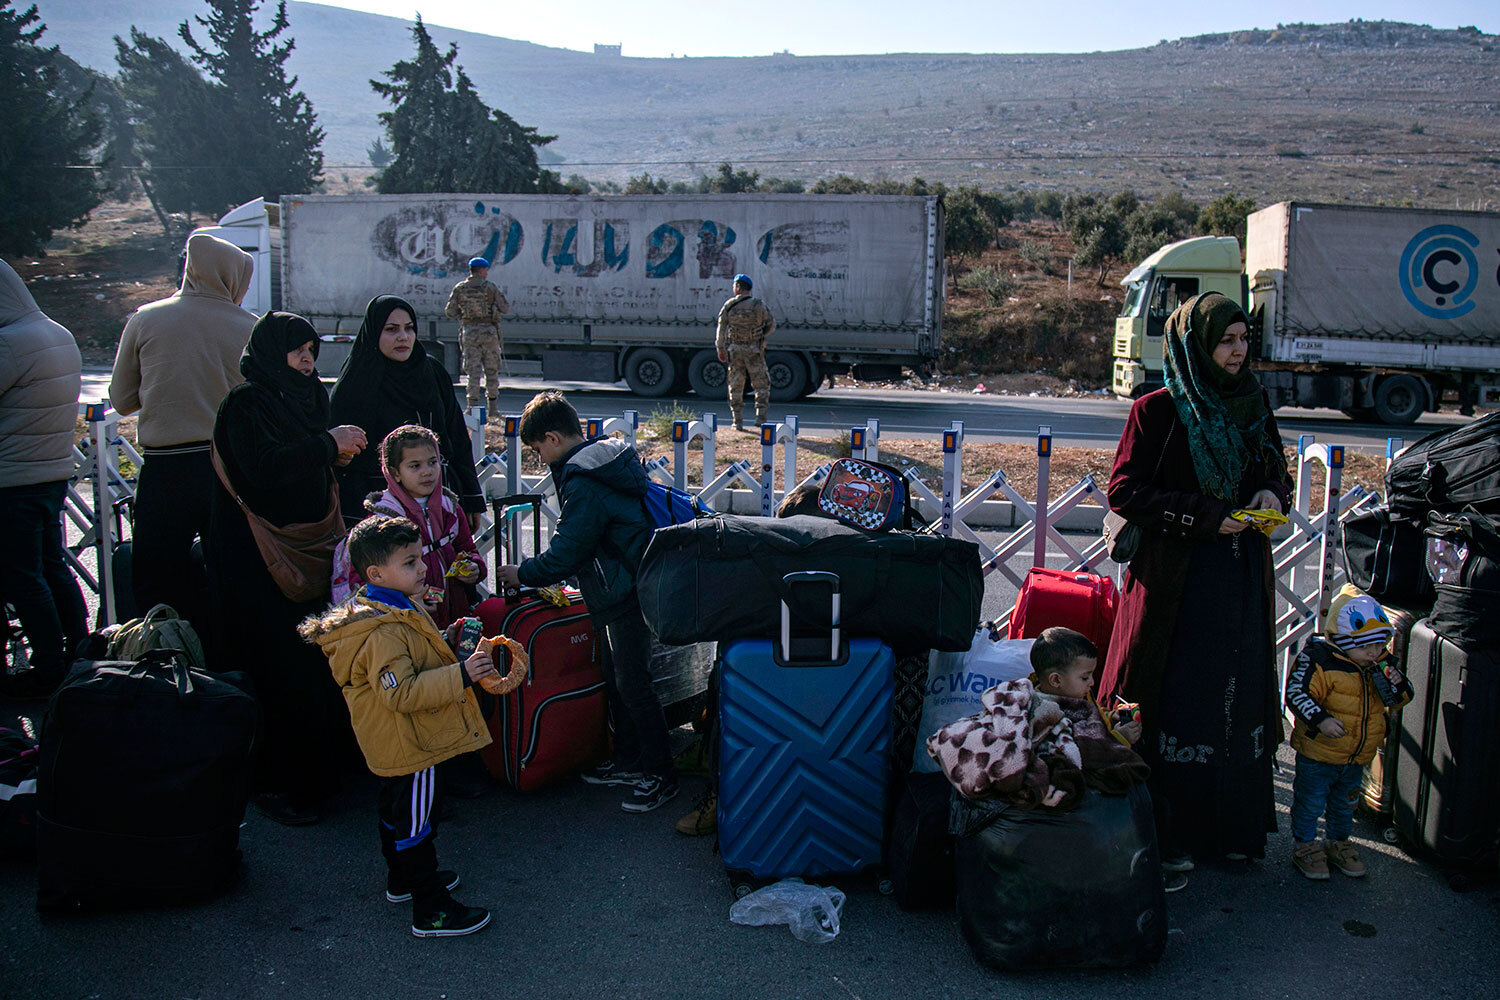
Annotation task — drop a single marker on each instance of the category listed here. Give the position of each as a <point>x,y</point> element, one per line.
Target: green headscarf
<point>1225,414</point>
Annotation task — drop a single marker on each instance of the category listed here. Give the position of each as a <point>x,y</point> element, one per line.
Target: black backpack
<point>1447,471</point>
<point>1468,597</point>
<point>1385,557</point>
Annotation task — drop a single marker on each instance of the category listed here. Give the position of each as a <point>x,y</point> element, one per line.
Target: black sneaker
<point>608,774</point>
<point>650,792</point>
<point>400,894</point>
<point>450,918</point>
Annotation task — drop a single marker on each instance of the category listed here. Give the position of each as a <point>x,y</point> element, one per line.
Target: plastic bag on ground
<point>811,911</point>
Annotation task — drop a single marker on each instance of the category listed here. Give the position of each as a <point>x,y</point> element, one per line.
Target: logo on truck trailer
<point>1439,271</point>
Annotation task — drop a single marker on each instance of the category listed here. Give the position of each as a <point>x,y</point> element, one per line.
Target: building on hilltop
<point>606,50</point>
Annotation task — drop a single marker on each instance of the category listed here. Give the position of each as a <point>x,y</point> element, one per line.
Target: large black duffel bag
<point>1386,556</point>
<point>142,784</point>
<point>1448,470</point>
<point>721,578</point>
<point>1467,609</point>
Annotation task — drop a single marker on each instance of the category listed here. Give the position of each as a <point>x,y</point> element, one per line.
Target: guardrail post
<point>476,419</point>
<point>512,456</point>
<point>1043,470</point>
<point>679,454</point>
<point>953,467</point>
<point>1328,522</point>
<point>767,468</point>
<point>788,453</point>
<point>1393,447</point>
<point>104,508</point>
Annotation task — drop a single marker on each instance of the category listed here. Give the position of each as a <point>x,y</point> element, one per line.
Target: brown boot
<point>1311,860</point>
<point>739,422</point>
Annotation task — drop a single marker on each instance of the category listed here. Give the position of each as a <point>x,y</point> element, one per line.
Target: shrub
<point>1038,255</point>
<point>993,282</point>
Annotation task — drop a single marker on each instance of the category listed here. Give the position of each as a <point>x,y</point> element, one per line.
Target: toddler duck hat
<point>1357,619</point>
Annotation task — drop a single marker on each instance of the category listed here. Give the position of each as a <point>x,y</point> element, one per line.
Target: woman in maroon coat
<point>1193,641</point>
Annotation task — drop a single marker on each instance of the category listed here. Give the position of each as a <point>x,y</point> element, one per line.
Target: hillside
<point>1363,111</point>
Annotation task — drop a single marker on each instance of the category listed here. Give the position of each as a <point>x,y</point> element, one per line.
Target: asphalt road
<point>591,902</point>
<point>1093,422</point>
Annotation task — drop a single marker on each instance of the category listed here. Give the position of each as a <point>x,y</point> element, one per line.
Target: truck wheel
<point>650,372</point>
<point>707,376</point>
<point>1400,399</point>
<point>788,376</point>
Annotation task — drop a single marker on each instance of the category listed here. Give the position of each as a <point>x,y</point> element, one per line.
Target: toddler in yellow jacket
<point>412,707</point>
<point>1340,693</point>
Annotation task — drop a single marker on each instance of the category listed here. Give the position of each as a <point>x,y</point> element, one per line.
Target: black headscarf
<point>275,335</point>
<point>371,382</point>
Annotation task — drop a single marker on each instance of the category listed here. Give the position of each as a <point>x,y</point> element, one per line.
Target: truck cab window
<point>1167,293</point>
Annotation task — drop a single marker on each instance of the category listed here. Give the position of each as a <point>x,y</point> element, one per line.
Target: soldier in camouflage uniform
<point>744,325</point>
<point>478,305</point>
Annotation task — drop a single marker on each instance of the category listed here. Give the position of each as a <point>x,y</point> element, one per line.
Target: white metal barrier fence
<point>1305,554</point>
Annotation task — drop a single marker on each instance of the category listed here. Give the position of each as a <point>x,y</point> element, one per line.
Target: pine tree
<point>46,136</point>
<point>179,133</point>
<point>272,139</point>
<point>443,137</point>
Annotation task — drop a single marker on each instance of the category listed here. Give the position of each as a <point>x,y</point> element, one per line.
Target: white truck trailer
<point>1372,311</point>
<point>604,288</point>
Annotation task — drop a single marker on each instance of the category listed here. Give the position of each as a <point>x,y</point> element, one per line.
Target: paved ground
<point>592,902</point>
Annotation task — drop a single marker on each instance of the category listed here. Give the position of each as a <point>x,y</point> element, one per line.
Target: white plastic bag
<point>956,680</point>
<point>811,911</point>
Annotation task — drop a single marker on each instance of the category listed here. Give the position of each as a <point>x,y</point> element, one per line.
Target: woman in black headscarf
<point>387,381</point>
<point>270,434</point>
<point>1193,641</point>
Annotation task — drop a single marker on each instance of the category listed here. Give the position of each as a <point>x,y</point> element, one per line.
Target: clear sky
<point>840,27</point>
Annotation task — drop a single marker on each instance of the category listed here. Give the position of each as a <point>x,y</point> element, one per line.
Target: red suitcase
<point>1081,601</point>
<point>555,723</point>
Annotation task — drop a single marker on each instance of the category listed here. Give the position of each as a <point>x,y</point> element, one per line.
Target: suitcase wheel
<point>742,889</point>
<point>1390,835</point>
<point>885,886</point>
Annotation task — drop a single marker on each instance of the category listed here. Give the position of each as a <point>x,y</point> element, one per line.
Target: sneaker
<point>608,774</point>
<point>704,819</point>
<point>1310,859</point>
<point>450,918</point>
<point>1173,881</point>
<point>650,792</point>
<point>1343,856</point>
<point>284,811</point>
<point>399,894</point>
<point>1183,863</point>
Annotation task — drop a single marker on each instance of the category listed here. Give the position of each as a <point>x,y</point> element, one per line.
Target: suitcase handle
<point>835,633</point>
<point>505,510</point>
<point>153,660</point>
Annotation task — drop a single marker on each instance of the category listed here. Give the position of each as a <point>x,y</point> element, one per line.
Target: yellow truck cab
<point>1176,272</point>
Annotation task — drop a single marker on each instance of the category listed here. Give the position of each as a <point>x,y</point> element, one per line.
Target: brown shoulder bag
<point>299,557</point>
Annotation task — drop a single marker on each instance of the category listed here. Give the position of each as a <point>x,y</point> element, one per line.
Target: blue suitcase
<point>804,747</point>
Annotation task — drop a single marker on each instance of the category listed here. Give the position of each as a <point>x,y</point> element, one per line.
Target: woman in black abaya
<point>271,435</point>
<point>390,380</point>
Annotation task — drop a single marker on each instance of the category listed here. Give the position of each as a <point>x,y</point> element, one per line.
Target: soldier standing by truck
<point>478,305</point>
<point>744,325</point>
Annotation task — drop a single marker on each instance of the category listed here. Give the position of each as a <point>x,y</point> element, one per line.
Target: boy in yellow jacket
<point>412,708</point>
<point>1340,696</point>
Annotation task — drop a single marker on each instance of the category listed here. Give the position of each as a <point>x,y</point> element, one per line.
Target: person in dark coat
<point>388,381</point>
<point>1193,641</point>
<point>601,535</point>
<point>271,436</point>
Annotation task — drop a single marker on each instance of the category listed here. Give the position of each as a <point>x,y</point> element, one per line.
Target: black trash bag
<point>920,854</point>
<point>1039,889</point>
